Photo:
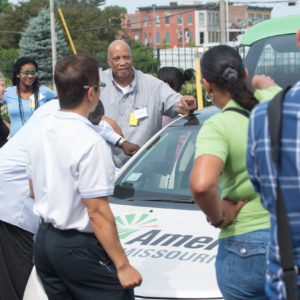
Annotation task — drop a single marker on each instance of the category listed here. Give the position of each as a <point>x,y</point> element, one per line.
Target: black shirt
<point>4,132</point>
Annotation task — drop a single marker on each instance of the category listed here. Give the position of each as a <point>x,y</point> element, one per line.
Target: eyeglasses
<point>27,74</point>
<point>101,84</point>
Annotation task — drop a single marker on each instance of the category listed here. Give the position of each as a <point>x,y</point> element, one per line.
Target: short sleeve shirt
<point>12,102</point>
<point>225,136</point>
<point>68,162</point>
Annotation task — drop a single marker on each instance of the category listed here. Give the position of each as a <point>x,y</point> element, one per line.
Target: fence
<point>183,58</point>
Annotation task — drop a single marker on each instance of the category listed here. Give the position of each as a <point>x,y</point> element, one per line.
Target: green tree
<point>36,42</point>
<point>143,57</point>
<point>4,5</point>
<point>7,60</point>
<point>91,28</point>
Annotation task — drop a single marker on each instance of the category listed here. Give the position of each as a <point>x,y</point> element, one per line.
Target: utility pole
<point>154,25</point>
<point>222,22</point>
<point>227,23</point>
<point>53,39</point>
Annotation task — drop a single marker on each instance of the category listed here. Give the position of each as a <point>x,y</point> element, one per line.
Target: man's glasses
<point>27,74</point>
<point>101,84</point>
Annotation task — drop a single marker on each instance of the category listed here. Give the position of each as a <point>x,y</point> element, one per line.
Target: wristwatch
<point>120,142</point>
<point>219,223</point>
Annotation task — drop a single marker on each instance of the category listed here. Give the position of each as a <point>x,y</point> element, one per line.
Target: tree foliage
<point>91,27</point>
<point>7,60</point>
<point>36,42</point>
<point>143,57</point>
<point>92,30</point>
<point>4,5</point>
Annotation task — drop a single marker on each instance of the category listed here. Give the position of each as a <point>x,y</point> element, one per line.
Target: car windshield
<point>277,56</point>
<point>163,170</point>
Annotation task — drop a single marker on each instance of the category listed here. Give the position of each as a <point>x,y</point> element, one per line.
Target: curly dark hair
<point>175,77</point>
<point>223,66</point>
<point>16,81</point>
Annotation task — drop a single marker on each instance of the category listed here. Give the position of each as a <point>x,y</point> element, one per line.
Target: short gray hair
<point>2,77</point>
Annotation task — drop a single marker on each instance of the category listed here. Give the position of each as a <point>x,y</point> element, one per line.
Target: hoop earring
<point>209,97</point>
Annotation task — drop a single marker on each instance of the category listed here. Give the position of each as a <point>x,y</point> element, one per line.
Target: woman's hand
<point>231,210</point>
<point>262,82</point>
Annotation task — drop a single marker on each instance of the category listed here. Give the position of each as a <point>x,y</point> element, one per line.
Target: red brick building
<point>165,26</point>
<point>189,24</point>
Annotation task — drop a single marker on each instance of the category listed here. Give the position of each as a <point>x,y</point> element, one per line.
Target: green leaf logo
<point>132,223</point>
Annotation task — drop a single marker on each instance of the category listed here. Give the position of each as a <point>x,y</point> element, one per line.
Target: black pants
<point>16,251</point>
<point>73,265</point>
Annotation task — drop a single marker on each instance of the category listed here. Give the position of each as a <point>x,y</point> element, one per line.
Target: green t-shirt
<point>225,136</point>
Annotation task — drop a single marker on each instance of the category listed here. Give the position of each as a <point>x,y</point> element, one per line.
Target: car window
<point>277,56</point>
<point>162,172</point>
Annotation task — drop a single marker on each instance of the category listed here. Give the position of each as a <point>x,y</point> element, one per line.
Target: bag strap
<point>289,269</point>
<point>244,113</point>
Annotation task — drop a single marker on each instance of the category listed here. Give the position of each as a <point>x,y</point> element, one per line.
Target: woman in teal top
<point>220,160</point>
<point>26,95</point>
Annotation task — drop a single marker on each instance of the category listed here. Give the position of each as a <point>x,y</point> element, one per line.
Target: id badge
<point>140,113</point>
<point>132,120</point>
<point>32,103</point>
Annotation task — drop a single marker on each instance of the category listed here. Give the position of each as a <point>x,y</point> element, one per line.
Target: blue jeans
<point>241,265</point>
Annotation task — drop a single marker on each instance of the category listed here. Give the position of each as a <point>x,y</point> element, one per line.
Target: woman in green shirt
<point>220,160</point>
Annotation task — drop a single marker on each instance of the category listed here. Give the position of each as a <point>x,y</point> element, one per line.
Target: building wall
<point>167,28</point>
<point>131,25</point>
<point>247,16</point>
<point>207,27</point>
<point>200,24</point>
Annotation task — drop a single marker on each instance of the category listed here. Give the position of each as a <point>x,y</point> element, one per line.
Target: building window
<point>258,17</point>
<point>201,38</point>
<point>250,19</point>
<point>149,21</point>
<point>167,20</point>
<point>145,21</point>
<point>168,37</point>
<point>157,38</point>
<point>266,17</point>
<point>179,19</point>
<point>190,19</point>
<point>201,19</point>
<point>145,39</point>
<point>191,37</point>
<point>157,20</point>
<point>136,37</point>
<point>209,23</point>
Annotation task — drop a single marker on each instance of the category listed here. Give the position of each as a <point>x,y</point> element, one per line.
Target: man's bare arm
<point>104,226</point>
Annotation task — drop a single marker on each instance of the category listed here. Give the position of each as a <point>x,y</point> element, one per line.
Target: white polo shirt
<point>67,162</point>
<point>15,203</point>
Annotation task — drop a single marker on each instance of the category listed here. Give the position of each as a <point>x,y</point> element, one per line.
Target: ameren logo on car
<point>141,237</point>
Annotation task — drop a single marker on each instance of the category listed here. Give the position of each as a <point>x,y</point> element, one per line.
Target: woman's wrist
<point>219,223</point>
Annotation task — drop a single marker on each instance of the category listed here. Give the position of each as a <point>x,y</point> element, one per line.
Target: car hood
<point>172,246</point>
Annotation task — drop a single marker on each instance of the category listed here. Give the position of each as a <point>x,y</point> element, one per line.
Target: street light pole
<point>53,39</point>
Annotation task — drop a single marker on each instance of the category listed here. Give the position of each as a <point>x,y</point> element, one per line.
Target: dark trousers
<point>73,265</point>
<point>16,251</point>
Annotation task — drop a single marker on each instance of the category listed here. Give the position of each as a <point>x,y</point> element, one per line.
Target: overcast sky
<point>280,9</point>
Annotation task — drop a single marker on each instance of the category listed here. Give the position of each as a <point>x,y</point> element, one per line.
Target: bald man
<point>137,101</point>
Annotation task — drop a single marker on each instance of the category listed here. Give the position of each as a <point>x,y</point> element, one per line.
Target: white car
<point>164,234</point>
